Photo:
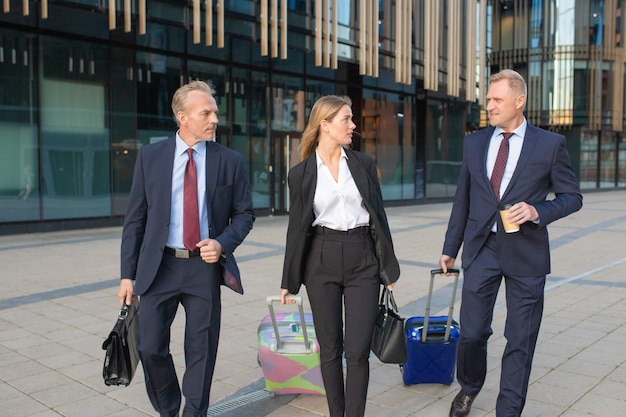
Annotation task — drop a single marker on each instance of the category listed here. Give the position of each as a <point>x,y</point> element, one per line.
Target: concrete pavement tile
<point>577,413</point>
<point>131,412</point>
<point>546,360</point>
<point>292,411</point>
<point>599,405</point>
<point>32,344</point>
<point>9,357</point>
<point>22,406</point>
<point>46,413</point>
<point>613,356</point>
<point>89,345</point>
<point>609,389</point>
<point>40,381</point>
<point>221,389</point>
<point>133,397</point>
<point>58,395</point>
<point>93,406</point>
<point>579,384</point>
<point>7,391</point>
<point>314,403</point>
<point>402,398</point>
<point>535,408</point>
<point>618,374</point>
<point>66,359</point>
<point>21,369</point>
<point>90,374</point>
<point>561,396</point>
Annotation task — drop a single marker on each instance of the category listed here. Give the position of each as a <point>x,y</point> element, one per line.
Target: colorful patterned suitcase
<point>431,342</point>
<point>288,351</point>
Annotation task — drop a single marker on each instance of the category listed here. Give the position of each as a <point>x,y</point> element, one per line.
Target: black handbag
<point>388,339</point>
<point>122,357</point>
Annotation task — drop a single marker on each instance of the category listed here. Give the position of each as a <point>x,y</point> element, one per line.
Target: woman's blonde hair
<point>179,100</point>
<point>325,108</point>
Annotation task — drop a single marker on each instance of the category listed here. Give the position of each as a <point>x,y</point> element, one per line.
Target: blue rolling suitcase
<point>431,342</point>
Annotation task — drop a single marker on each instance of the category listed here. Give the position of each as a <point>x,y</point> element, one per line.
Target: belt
<point>321,230</point>
<point>182,253</point>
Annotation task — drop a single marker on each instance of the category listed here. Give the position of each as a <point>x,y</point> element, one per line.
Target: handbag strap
<point>387,297</point>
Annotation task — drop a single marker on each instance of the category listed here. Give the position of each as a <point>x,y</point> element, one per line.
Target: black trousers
<point>342,271</point>
<point>196,285</point>
<point>524,301</point>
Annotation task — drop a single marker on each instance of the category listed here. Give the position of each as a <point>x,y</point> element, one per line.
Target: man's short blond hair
<point>179,100</point>
<point>516,81</point>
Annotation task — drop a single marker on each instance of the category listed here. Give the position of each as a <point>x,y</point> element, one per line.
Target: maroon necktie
<point>191,222</point>
<point>498,167</point>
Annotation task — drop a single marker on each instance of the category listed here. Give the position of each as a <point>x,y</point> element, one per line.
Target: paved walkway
<point>58,302</point>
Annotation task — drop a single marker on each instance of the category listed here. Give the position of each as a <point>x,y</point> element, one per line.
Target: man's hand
<point>125,292</point>
<point>446,262</point>
<point>210,250</point>
<point>522,212</point>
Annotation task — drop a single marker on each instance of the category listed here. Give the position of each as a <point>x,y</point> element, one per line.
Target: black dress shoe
<point>461,405</point>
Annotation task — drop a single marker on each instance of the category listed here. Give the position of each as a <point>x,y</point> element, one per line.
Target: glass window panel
<point>621,162</point>
<point>19,163</point>
<point>589,160</point>
<point>157,77</point>
<point>608,157</point>
<point>75,148</point>
<point>386,135</point>
<point>124,141</point>
<point>444,152</point>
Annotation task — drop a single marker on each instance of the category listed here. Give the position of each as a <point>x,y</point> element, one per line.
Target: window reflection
<point>75,148</point>
<point>19,164</point>
<point>588,160</point>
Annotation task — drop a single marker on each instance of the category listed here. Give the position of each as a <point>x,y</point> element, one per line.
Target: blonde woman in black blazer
<point>339,246</point>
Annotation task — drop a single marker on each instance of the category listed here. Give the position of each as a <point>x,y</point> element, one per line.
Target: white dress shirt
<point>338,204</point>
<point>515,149</point>
<point>175,236</point>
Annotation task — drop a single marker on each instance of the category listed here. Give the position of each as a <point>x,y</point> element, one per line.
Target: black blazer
<point>229,207</point>
<point>302,182</point>
<point>543,167</point>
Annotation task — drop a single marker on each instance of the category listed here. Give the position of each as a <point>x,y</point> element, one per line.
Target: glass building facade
<point>572,54</point>
<point>84,84</point>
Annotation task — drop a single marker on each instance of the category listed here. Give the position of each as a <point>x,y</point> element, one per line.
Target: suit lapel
<point>212,168</point>
<point>309,183</point>
<point>168,161</point>
<point>359,175</point>
<point>484,150</point>
<point>528,146</point>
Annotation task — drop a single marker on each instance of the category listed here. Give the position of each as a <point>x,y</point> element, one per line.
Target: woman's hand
<point>283,297</point>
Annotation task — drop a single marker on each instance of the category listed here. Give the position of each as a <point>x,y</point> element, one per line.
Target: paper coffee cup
<point>508,227</point>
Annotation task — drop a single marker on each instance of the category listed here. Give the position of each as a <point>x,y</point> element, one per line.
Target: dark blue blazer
<point>146,225</point>
<point>302,184</point>
<point>543,167</point>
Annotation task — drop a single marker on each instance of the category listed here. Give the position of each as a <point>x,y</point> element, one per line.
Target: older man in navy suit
<point>510,163</point>
<point>190,206</point>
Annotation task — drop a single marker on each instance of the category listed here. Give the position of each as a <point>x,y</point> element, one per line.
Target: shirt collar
<point>519,131</point>
<point>319,161</point>
<point>181,146</point>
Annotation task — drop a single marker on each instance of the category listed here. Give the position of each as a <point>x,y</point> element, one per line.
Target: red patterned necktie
<point>498,167</point>
<point>191,222</point>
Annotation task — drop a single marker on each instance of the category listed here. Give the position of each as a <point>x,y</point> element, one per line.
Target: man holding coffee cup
<point>508,168</point>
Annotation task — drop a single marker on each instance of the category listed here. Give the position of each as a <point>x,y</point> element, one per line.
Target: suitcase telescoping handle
<point>276,299</point>
<point>433,273</point>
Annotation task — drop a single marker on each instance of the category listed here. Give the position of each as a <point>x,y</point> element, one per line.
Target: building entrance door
<point>283,155</point>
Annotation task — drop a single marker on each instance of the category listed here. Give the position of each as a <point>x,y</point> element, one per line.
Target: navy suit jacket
<point>302,184</point>
<point>543,167</point>
<point>146,225</point>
